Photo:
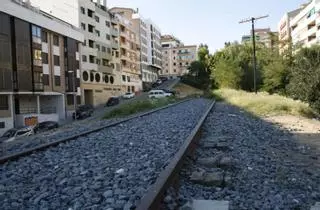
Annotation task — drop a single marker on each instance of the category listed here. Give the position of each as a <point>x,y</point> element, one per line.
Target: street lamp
<point>74,93</point>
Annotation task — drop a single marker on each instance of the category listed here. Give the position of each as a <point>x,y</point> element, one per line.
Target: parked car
<point>163,79</point>
<point>45,126</point>
<point>113,101</point>
<point>159,81</point>
<point>158,94</point>
<point>16,133</point>
<point>128,95</point>
<point>83,111</point>
<point>154,85</point>
<point>170,91</point>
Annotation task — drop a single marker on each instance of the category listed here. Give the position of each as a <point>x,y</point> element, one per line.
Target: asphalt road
<point>100,111</point>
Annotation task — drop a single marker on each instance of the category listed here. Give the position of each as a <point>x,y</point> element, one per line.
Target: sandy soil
<point>307,131</point>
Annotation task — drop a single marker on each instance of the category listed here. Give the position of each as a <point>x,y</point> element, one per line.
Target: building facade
<point>39,66</point>
<point>305,26</point>
<point>264,36</point>
<point>101,73</point>
<point>285,30</point>
<point>129,42</point>
<point>176,57</point>
<point>150,41</point>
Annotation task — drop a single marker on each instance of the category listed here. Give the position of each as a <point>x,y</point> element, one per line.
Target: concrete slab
<point>210,205</point>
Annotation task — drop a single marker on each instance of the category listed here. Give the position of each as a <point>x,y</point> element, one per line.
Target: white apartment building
<point>176,57</point>
<point>285,30</point>
<point>151,57</point>
<point>101,75</point>
<point>305,26</point>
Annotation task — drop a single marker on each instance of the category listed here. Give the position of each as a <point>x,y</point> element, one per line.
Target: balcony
<point>114,32</point>
<point>114,44</point>
<point>38,86</point>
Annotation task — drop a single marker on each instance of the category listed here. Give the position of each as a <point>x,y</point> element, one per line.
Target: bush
<point>264,104</point>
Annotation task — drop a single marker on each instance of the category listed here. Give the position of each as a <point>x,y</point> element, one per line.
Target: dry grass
<point>184,90</point>
<point>264,104</point>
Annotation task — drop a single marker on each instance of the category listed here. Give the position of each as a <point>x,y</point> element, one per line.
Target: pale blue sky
<point>209,21</point>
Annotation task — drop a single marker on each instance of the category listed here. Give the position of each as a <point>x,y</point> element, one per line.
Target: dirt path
<point>307,131</point>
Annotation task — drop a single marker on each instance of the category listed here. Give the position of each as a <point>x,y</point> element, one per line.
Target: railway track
<point>42,146</point>
<point>108,167</point>
<point>240,162</point>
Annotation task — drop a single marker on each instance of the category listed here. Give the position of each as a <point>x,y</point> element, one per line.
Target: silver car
<point>16,133</point>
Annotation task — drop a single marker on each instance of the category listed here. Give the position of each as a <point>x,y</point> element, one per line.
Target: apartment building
<point>264,36</point>
<point>285,30</point>
<point>129,42</point>
<point>150,41</point>
<point>39,66</point>
<point>101,74</point>
<point>176,57</point>
<point>305,26</point>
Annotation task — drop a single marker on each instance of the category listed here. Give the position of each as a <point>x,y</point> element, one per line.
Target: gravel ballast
<point>263,166</point>
<point>112,168</point>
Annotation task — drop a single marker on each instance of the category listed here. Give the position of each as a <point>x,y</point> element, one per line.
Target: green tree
<point>305,76</point>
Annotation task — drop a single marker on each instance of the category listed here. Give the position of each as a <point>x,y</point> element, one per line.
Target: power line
<point>252,20</point>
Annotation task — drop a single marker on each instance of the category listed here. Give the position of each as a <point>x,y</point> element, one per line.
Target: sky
<point>212,22</point>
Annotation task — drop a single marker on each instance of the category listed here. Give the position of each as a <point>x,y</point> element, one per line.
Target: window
<point>107,36</point>
<point>70,99</point>
<point>97,19</point>
<point>36,31</point>
<point>97,77</point>
<point>57,81</point>
<point>90,13</point>
<point>91,58</point>
<point>180,64</point>
<point>98,33</point>
<point>85,76</point>
<point>2,124</point>
<point>83,11</point>
<point>109,50</point>
<point>83,26</point>
<point>4,104</point>
<point>84,58</point>
<point>45,79</point>
<point>37,55</point>
<point>174,51</point>
<point>78,99</point>
<point>165,52</point>
<point>90,28</point>
<point>98,61</point>
<point>44,58</point>
<point>55,40</point>
<point>123,78</point>
<point>84,43</point>
<point>174,64</point>
<point>56,60</point>
<point>108,24</point>
<point>44,36</point>
<point>128,78</point>
<point>174,70</point>
<point>111,79</point>
<point>103,49</point>
<point>105,62</point>
<point>98,47</point>
<point>91,43</point>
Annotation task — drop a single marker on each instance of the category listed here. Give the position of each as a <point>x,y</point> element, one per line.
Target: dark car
<point>45,126</point>
<point>83,111</point>
<point>163,79</point>
<point>113,101</point>
<point>169,91</point>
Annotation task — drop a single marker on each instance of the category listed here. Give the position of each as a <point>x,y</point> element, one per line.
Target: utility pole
<point>252,20</point>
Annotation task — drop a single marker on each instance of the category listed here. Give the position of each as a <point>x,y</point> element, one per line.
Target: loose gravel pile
<point>111,169</point>
<point>267,168</point>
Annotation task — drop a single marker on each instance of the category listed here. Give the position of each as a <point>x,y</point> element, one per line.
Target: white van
<point>159,94</point>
